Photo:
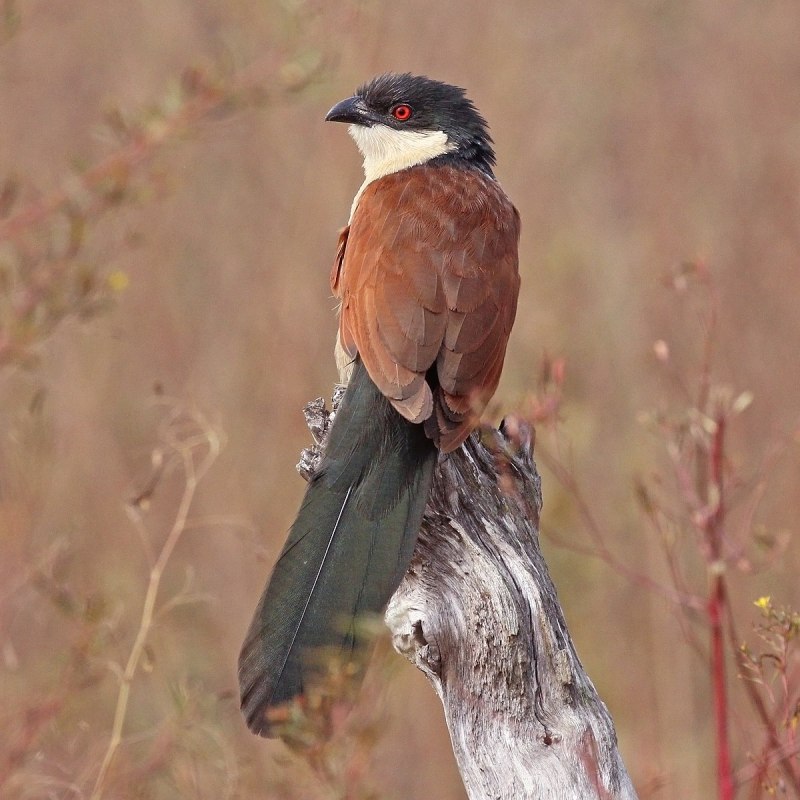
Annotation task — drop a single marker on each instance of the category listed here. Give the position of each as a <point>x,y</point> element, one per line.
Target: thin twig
<point>193,475</point>
<point>757,702</point>
<point>600,549</point>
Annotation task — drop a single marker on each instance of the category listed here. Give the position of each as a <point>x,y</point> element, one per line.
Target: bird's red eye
<point>402,112</point>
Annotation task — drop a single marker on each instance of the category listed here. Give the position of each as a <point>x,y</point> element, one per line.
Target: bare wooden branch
<point>478,614</point>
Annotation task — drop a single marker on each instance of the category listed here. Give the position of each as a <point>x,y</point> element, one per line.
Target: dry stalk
<point>185,448</point>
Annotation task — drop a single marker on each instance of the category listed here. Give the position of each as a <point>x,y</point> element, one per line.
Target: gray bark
<point>478,614</point>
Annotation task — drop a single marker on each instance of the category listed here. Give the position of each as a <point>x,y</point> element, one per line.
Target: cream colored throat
<point>386,150</point>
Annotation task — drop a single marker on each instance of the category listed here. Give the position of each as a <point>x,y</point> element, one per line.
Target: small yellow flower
<point>762,602</point>
<point>118,281</point>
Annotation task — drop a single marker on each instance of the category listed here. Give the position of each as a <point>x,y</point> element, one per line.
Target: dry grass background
<point>632,136</point>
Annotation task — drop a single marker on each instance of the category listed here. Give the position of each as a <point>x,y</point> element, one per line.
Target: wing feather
<point>427,275</point>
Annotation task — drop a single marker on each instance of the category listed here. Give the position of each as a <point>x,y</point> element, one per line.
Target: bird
<point>426,274</point>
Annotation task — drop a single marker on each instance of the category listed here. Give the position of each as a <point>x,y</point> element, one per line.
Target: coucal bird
<point>427,276</point>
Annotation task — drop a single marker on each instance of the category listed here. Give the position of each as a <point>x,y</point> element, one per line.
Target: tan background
<point>631,136</point>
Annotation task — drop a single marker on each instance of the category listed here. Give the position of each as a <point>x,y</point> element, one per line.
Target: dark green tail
<point>346,553</point>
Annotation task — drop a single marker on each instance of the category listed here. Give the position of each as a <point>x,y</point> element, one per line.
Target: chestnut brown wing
<point>428,275</point>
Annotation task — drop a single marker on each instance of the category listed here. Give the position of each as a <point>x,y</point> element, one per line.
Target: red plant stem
<point>717,602</point>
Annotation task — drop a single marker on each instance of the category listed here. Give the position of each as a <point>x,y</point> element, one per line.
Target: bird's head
<point>399,121</point>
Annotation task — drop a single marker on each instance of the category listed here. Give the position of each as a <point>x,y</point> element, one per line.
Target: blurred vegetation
<point>169,199</point>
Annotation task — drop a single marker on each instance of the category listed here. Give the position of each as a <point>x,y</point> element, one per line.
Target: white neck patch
<point>387,150</point>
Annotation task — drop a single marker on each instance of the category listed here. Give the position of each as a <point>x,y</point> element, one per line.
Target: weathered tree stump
<point>478,614</point>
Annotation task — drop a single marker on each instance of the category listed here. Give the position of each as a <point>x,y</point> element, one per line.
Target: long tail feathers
<point>346,553</point>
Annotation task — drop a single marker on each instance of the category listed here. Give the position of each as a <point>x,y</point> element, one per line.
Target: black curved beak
<point>351,110</point>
